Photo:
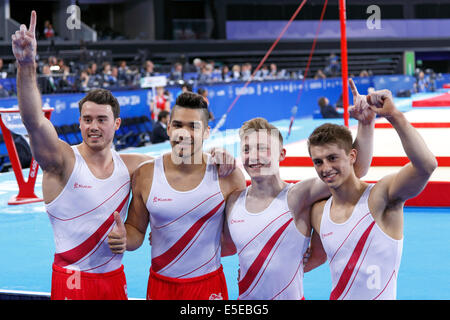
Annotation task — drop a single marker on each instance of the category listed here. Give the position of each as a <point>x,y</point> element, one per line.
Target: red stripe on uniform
<point>348,236</point>
<point>169,223</point>
<point>261,231</point>
<point>253,271</point>
<point>73,255</point>
<point>348,270</point>
<point>167,257</point>
<point>84,213</point>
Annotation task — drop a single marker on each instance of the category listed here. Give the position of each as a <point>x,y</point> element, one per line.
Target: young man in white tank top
<point>360,228</point>
<point>182,197</point>
<point>82,185</point>
<point>269,222</point>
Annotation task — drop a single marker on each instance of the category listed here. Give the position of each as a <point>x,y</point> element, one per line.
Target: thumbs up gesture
<point>24,42</point>
<point>117,238</point>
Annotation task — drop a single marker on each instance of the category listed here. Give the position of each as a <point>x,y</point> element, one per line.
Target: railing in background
<point>270,99</point>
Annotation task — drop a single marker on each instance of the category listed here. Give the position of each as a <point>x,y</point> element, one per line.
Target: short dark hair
<point>162,114</point>
<point>322,102</point>
<point>101,96</point>
<point>187,86</point>
<point>192,100</point>
<point>330,133</point>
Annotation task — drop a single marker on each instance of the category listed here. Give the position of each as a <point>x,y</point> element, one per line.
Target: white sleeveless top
<point>82,216</point>
<point>364,261</point>
<point>186,226</point>
<point>270,250</point>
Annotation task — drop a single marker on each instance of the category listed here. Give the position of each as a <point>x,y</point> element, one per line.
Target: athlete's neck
<point>100,156</point>
<point>266,186</point>
<point>348,192</point>
<point>193,164</point>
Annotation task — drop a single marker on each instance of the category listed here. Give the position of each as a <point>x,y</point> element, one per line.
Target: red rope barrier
<point>344,64</point>
<point>261,63</point>
<point>305,74</point>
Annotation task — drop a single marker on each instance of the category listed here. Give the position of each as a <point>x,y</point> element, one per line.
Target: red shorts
<point>78,285</point>
<point>211,286</point>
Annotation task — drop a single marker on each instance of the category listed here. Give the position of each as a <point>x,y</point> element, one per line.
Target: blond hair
<point>259,124</point>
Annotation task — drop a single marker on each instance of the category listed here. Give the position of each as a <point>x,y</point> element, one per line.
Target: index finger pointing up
<point>353,87</point>
<point>32,27</point>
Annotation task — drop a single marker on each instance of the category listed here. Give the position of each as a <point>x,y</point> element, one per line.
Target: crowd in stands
<point>58,76</point>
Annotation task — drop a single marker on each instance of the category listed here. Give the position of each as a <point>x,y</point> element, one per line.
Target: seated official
<point>159,132</point>
<point>327,110</point>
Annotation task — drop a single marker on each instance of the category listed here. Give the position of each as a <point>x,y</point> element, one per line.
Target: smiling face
<point>187,131</point>
<point>332,163</point>
<point>261,153</point>
<point>97,125</point>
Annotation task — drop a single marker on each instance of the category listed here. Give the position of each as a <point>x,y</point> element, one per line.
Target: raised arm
<point>366,126</point>
<point>45,144</point>
<point>413,177</point>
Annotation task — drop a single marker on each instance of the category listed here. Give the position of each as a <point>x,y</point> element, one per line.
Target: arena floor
<point>27,241</point>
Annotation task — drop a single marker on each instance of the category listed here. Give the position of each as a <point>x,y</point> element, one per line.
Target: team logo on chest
<point>77,185</point>
<point>157,199</point>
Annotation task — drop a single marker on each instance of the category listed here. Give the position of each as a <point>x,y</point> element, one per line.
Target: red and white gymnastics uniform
<point>364,261</point>
<point>186,231</point>
<point>160,105</point>
<point>270,250</point>
<point>82,217</point>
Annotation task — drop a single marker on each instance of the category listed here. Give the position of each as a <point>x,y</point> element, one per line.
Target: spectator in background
<point>198,64</point>
<point>333,68</point>
<point>159,103</point>
<point>327,110</point>
<point>92,68</point>
<point>3,73</point>
<point>49,32</point>
<point>124,75</point>
<point>206,74</point>
<point>123,68</point>
<point>273,72</point>
<point>115,75</point>
<point>320,75</point>
<point>340,102</point>
<point>263,73</point>
<point>236,73</point>
<point>46,81</point>
<point>225,74</point>
<point>94,77</point>
<point>421,84</point>
<point>82,82</point>
<point>185,87</point>
<point>168,97</point>
<point>107,79</point>
<point>204,93</point>
<point>53,63</point>
<point>3,92</point>
<point>64,85</point>
<point>364,73</point>
<point>148,70</point>
<point>246,71</point>
<point>177,72</point>
<point>159,132</point>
